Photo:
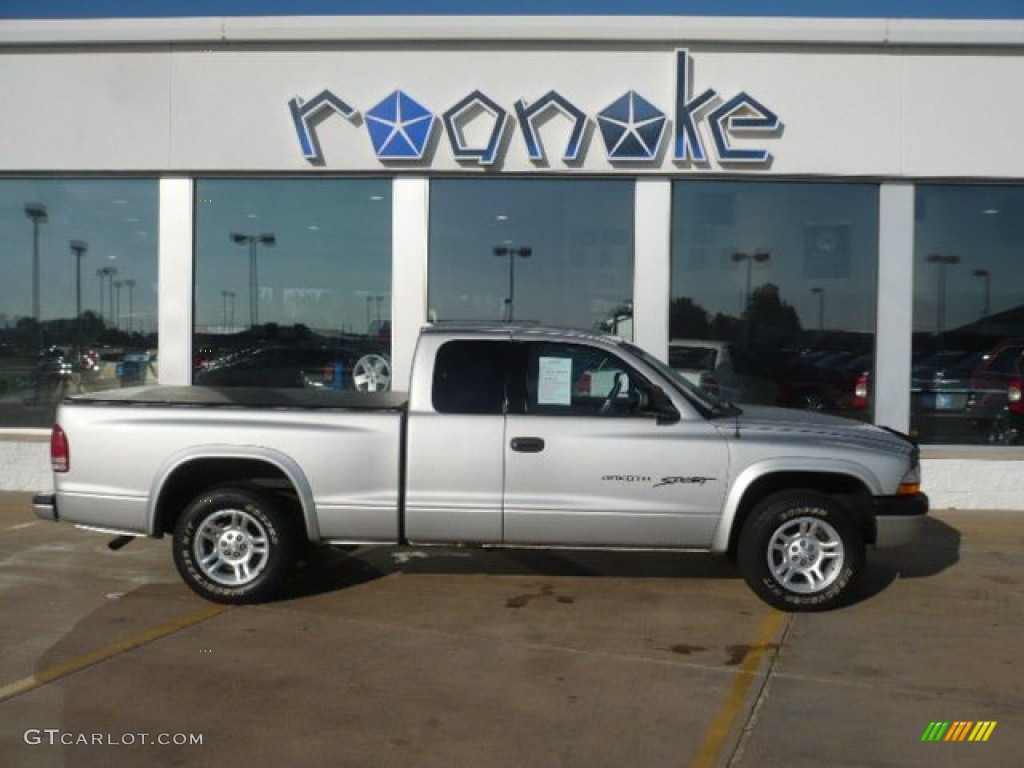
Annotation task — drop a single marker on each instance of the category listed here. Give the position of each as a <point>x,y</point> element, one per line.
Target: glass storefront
<point>773,286</point>
<point>774,292</point>
<point>293,283</point>
<point>552,251</point>
<point>968,351</point>
<point>78,291</point>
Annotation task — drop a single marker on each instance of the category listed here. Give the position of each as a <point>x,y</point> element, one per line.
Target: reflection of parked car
<point>940,390</point>
<point>995,400</point>
<point>318,367</point>
<point>717,367</point>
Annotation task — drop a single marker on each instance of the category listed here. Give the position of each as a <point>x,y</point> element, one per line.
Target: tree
<point>770,320</point>
<point>688,320</point>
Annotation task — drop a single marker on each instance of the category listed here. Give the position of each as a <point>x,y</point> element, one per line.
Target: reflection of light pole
<point>940,310</point>
<point>117,303</point>
<point>987,306</point>
<point>36,212</point>
<point>109,272</point>
<point>78,248</point>
<point>821,307</point>
<point>760,257</point>
<point>131,303</point>
<point>106,273</point>
<point>379,300</point>
<point>267,238</point>
<point>224,295</point>
<point>523,253</point>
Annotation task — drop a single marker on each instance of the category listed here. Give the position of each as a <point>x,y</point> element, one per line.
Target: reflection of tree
<point>770,320</point>
<point>688,320</point>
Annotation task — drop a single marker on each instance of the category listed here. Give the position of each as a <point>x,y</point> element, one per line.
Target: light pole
<point>524,252</point>
<point>78,248</point>
<point>987,275</point>
<point>821,307</point>
<point>37,213</point>
<point>130,284</point>
<point>266,238</point>
<point>941,261</point>
<point>108,273</point>
<point>761,257</point>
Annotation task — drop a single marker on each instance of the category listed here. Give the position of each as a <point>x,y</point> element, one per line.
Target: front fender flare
<point>802,465</point>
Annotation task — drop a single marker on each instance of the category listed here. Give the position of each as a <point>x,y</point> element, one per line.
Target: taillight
<point>60,455</point>
<point>860,392</point>
<point>1015,396</point>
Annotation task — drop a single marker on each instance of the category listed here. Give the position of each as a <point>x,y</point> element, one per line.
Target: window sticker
<point>554,381</point>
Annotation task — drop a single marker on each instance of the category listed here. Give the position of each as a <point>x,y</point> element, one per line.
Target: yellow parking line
<point>707,754</point>
<point>84,660</point>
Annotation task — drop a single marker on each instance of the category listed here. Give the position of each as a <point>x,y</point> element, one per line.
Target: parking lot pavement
<point>420,657</point>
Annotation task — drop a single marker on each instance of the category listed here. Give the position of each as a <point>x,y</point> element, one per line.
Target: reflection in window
<point>293,283</point>
<point>967,369</point>
<point>553,251</point>
<point>78,291</point>
<point>773,292</point>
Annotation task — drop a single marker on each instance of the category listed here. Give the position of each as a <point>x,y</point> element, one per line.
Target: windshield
<point>709,405</point>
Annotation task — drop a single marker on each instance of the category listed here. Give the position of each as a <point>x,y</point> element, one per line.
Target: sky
<point>947,9</point>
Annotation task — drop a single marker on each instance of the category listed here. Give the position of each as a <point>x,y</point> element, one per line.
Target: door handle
<point>527,444</point>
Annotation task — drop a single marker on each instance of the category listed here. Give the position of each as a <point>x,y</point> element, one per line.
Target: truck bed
<point>246,397</point>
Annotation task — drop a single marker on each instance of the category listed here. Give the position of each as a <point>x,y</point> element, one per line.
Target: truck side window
<point>578,380</point>
<point>469,377</point>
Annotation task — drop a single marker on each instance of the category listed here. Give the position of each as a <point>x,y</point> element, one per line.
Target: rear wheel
<point>234,545</point>
<point>801,551</point>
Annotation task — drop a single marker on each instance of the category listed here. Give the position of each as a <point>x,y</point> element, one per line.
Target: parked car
<point>497,443</point>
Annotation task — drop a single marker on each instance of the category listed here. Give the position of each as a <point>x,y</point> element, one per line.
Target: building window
<point>968,353</point>
<point>774,292</point>
<point>78,281</point>
<point>553,251</point>
<point>293,283</point>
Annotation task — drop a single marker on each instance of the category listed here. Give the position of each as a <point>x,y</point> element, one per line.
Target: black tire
<point>234,545</point>
<point>1002,432</point>
<point>801,551</point>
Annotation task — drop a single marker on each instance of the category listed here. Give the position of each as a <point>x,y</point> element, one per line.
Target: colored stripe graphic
<point>982,731</point>
<point>959,730</point>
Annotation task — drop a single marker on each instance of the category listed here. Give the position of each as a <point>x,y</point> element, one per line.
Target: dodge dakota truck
<point>513,436</point>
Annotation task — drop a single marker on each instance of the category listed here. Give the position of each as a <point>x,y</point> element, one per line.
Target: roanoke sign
<point>632,129</point>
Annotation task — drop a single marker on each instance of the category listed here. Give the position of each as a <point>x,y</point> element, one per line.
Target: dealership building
<point>833,209</point>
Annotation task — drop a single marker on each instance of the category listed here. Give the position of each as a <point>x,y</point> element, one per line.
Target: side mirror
<point>661,405</point>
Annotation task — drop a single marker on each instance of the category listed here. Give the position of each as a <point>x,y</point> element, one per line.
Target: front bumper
<point>899,519</point>
<point>45,506</point>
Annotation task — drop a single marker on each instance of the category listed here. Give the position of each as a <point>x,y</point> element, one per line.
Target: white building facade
<point>286,201</point>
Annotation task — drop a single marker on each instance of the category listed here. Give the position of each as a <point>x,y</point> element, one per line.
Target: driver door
<point>588,465</point>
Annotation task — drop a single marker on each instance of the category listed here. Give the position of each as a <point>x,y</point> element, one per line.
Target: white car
<point>711,366</point>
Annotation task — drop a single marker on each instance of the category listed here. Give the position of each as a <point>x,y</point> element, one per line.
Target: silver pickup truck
<point>509,436</point>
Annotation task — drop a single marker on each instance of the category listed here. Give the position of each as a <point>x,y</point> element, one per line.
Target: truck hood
<point>765,421</point>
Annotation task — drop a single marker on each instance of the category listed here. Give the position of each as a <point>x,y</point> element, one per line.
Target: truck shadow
<point>936,549</point>
<point>330,569</point>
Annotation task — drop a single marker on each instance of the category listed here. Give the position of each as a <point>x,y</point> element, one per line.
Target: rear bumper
<point>45,506</point>
<point>899,519</point>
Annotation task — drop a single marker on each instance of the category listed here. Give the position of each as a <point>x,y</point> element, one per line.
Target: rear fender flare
<point>280,461</point>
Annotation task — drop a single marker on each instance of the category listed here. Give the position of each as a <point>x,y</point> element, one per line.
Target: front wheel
<point>800,551</point>
<point>234,545</point>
